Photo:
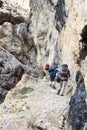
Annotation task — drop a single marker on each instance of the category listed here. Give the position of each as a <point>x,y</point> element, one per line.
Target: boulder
<point>11,70</point>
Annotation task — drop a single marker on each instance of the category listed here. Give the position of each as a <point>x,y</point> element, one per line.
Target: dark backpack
<point>63,74</point>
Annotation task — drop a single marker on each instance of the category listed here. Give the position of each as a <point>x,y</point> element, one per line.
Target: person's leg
<point>50,83</point>
<point>63,88</point>
<point>52,80</point>
<point>65,83</point>
<point>61,82</point>
<point>53,84</point>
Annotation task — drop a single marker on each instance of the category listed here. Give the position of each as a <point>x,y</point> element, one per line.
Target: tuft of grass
<point>24,96</point>
<point>60,50</point>
<point>28,108</point>
<point>1,127</point>
<point>20,110</point>
<point>22,117</point>
<point>26,90</point>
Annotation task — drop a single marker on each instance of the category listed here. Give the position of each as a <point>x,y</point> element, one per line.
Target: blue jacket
<point>53,70</point>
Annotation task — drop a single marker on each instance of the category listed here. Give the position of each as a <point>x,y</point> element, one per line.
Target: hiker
<point>46,71</point>
<point>62,77</point>
<point>52,69</point>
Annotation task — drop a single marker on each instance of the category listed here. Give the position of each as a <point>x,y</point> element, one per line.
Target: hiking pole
<point>64,118</point>
<point>62,112</point>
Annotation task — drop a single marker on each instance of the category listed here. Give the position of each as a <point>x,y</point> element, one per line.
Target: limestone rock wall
<point>44,32</point>
<point>77,15</point>
<point>17,49</point>
<point>56,26</point>
<point>23,3</point>
<point>49,31</point>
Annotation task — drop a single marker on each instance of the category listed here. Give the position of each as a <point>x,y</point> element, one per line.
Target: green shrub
<point>28,108</point>
<point>20,110</point>
<point>26,90</point>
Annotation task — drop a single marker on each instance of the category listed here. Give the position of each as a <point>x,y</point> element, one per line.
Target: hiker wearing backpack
<point>52,69</point>
<point>62,77</point>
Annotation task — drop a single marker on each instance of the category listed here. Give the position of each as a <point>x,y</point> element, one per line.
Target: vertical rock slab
<point>77,115</point>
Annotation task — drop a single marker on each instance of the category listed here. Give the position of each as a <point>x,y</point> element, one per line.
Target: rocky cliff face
<point>17,49</point>
<point>77,115</point>
<point>23,3</point>
<point>49,31</point>
<point>43,28</point>
<point>71,35</point>
<point>56,27</point>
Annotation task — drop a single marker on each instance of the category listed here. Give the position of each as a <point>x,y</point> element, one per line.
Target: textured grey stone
<point>77,115</point>
<point>11,70</point>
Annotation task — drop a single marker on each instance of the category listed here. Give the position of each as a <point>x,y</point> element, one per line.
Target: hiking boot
<point>50,85</point>
<point>54,87</point>
<point>61,128</point>
<point>61,94</point>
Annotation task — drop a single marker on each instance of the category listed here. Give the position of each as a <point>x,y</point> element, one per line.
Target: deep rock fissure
<point>83,42</point>
<point>51,2</point>
<point>1,3</point>
<point>60,15</point>
<point>7,17</point>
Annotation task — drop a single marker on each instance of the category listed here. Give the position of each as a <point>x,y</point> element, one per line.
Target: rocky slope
<point>33,105</point>
<point>50,30</point>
